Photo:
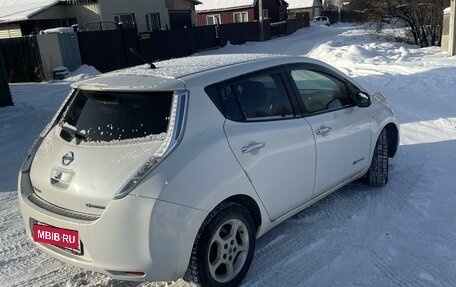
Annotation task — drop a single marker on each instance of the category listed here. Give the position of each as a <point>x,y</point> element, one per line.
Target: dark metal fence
<point>5,93</point>
<point>106,46</point>
<point>162,45</point>
<point>207,37</point>
<point>22,60</point>
<point>239,33</point>
<point>345,16</point>
<point>278,29</point>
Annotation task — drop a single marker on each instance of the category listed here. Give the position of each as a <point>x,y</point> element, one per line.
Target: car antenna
<point>134,52</point>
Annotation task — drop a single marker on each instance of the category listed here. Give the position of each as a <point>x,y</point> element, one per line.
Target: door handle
<point>323,131</point>
<point>252,147</point>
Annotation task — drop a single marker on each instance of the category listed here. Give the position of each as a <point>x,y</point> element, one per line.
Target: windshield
<point>116,116</point>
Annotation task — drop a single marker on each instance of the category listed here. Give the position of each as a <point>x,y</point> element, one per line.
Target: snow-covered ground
<point>401,235</point>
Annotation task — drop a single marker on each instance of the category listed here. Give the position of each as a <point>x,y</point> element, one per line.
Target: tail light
<point>173,136</point>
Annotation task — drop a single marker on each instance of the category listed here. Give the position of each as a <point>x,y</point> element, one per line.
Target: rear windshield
<point>116,116</point>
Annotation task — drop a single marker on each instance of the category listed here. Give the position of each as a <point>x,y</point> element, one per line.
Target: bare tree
<point>422,17</point>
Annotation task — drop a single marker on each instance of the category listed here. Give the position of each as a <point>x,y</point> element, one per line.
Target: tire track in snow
<point>303,247</point>
<point>385,254</point>
<point>18,254</point>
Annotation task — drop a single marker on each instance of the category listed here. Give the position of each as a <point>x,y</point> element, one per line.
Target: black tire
<point>377,175</point>
<point>236,252</point>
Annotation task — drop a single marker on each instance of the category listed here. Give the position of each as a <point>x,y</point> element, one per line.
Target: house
<point>24,17</point>
<point>314,7</point>
<point>212,12</point>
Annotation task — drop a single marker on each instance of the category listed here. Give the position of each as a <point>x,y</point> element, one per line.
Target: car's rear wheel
<point>223,250</point>
<point>377,175</point>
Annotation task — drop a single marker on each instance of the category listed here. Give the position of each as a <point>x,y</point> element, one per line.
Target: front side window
<point>320,92</point>
<point>259,98</point>
<point>240,17</point>
<point>153,22</point>
<point>112,116</point>
<point>213,19</point>
<point>124,18</point>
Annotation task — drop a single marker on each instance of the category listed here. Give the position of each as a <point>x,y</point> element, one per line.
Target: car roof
<point>173,74</point>
<point>182,67</point>
<point>166,75</point>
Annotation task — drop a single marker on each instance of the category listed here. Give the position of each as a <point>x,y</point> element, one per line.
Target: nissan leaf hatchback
<point>168,172</point>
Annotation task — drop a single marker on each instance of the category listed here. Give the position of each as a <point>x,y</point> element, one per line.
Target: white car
<point>321,20</point>
<point>152,174</point>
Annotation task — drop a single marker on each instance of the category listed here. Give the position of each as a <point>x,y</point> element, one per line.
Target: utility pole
<point>260,19</point>
<point>452,38</point>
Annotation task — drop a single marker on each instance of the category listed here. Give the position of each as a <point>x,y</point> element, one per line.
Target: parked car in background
<point>321,20</point>
<point>157,173</point>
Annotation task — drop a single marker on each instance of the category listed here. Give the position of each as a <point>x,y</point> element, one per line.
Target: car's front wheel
<point>377,175</point>
<point>224,247</point>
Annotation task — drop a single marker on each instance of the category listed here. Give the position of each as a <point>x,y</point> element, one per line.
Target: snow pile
<point>60,30</point>
<point>400,235</point>
<point>378,52</point>
<point>81,73</point>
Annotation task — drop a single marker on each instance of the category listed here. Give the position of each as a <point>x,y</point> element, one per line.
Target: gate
<point>239,33</point>
<point>22,60</point>
<point>106,46</point>
<point>162,45</point>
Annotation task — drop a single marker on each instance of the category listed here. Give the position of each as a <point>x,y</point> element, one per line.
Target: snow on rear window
<point>116,116</point>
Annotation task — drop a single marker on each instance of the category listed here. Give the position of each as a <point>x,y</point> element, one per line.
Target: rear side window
<point>111,116</point>
<point>259,98</point>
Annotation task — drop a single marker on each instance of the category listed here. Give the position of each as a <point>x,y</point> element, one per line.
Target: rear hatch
<point>100,142</point>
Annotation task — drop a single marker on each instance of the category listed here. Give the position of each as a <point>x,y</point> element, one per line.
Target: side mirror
<point>362,99</point>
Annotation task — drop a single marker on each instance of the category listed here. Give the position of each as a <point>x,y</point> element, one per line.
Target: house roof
<point>213,5</point>
<point>298,4</point>
<point>19,10</point>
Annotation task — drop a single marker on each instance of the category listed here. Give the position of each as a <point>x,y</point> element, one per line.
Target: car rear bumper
<point>133,234</point>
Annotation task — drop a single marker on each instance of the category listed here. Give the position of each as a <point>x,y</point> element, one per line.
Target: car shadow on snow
<point>358,226</point>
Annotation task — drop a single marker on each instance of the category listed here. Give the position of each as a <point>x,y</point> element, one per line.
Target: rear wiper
<point>80,135</point>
